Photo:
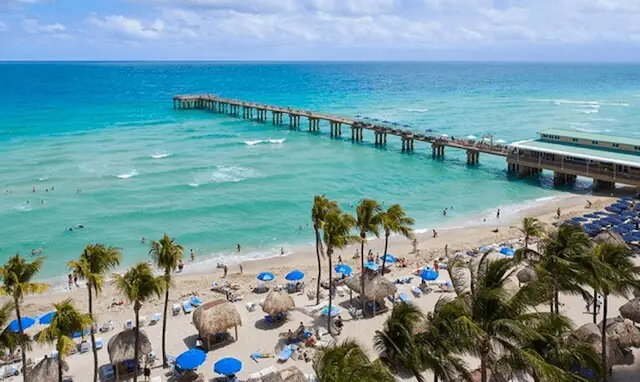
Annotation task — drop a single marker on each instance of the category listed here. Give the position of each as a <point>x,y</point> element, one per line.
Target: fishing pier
<point>606,159</point>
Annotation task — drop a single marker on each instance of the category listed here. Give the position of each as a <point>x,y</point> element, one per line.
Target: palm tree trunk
<point>164,322</point>
<point>59,362</point>
<point>526,242</point>
<point>483,368</point>
<point>435,378</point>
<point>605,369</point>
<point>363,237</point>
<point>318,243</point>
<point>329,254</point>
<point>93,337</point>
<point>386,246</point>
<point>595,301</point>
<point>556,295</point>
<point>136,343</point>
<point>24,353</point>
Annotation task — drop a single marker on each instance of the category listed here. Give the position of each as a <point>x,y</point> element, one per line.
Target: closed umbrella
<point>191,359</point>
<point>46,319</point>
<point>27,322</point>
<point>429,274</point>
<point>266,276</point>
<point>507,251</point>
<point>227,366</point>
<point>344,269</point>
<point>294,275</point>
<point>388,258</point>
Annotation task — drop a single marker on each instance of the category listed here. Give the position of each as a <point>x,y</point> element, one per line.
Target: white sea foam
<point>416,110</point>
<point>594,104</point>
<point>43,178</point>
<point>603,119</point>
<point>194,184</point>
<point>224,174</point>
<point>587,111</point>
<point>24,207</point>
<point>128,175</point>
<point>579,124</point>
<point>588,130</point>
<point>161,155</point>
<point>265,141</point>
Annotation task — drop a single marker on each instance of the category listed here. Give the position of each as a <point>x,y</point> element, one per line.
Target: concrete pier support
<point>437,150</point>
<point>380,138</point>
<point>276,117</point>
<point>560,178</point>
<point>294,121</point>
<point>356,133</point>
<point>473,157</point>
<point>335,128</point>
<point>407,144</point>
<point>602,185</point>
<point>314,124</point>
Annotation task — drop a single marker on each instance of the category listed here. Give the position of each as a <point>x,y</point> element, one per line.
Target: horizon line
<point>2,61</point>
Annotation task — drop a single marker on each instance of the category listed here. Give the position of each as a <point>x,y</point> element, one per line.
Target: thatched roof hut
<point>215,317</point>
<point>121,347</point>
<point>290,374</point>
<point>631,310</point>
<point>46,370</point>
<point>527,275</point>
<point>376,287</point>
<point>277,302</point>
<point>622,331</point>
<point>590,334</point>
<point>609,237</point>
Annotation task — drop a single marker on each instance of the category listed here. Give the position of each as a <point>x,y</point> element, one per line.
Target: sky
<point>342,30</point>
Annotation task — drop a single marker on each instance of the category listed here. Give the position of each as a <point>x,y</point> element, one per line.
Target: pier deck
<point>523,160</point>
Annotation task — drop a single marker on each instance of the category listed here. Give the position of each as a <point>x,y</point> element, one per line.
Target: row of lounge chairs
<point>130,324</point>
<point>187,305</point>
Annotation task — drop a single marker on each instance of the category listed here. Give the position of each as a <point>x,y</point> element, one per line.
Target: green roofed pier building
<point>607,159</point>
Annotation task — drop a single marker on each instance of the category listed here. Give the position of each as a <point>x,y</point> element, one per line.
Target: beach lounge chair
<point>404,298</point>
<point>186,306</point>
<point>54,354</point>
<point>128,324</point>
<point>108,372</point>
<point>175,309</point>
<point>157,378</point>
<point>416,291</point>
<point>142,320</point>
<point>106,327</point>
<point>195,301</point>
<point>355,313</point>
<point>286,353</point>
<point>155,318</point>
<point>251,306</point>
<point>85,347</point>
<point>99,343</point>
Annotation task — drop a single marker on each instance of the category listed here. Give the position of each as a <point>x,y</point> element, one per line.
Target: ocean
<point>104,149</point>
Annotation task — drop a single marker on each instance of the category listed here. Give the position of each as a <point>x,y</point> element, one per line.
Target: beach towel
<point>186,306</point>
<point>195,301</point>
<point>285,354</point>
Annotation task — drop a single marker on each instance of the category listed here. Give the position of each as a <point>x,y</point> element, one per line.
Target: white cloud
<point>32,26</point>
<point>128,27</point>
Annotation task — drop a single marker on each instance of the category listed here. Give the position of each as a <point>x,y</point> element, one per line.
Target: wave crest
<point>128,175</point>
<point>265,141</point>
<point>161,155</point>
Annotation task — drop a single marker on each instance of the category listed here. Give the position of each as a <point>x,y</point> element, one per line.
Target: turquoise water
<point>214,181</point>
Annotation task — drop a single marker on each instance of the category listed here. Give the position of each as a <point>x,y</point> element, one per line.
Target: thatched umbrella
<point>292,374</point>
<point>590,335</point>
<point>46,370</point>
<point>277,302</point>
<point>527,275</point>
<point>609,237</point>
<point>622,331</point>
<point>121,347</point>
<point>631,310</point>
<point>376,287</point>
<point>216,317</point>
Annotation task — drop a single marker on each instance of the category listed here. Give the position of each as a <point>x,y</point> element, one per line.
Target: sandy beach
<point>255,336</point>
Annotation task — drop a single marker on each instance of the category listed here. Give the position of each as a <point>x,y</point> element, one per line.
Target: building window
<point>594,142</point>
<point>576,140</point>
<point>616,145</point>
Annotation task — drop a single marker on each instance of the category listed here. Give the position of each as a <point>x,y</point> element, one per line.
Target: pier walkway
<point>381,130</point>
<point>606,159</point>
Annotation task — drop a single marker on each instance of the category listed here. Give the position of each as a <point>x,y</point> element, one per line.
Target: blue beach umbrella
<point>334,311</point>
<point>371,265</point>
<point>227,366</point>
<point>266,276</point>
<point>46,319</point>
<point>591,216</point>
<point>429,274</point>
<point>388,258</point>
<point>294,275</point>
<point>507,251</point>
<point>613,209</point>
<point>344,269</point>
<point>27,322</point>
<point>191,359</point>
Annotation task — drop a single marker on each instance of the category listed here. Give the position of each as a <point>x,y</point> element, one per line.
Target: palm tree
<point>493,319</point>
<point>337,235</point>
<point>16,275</point>
<point>618,276</point>
<point>394,220</point>
<point>66,321</point>
<point>368,219</point>
<point>554,347</point>
<point>347,362</point>
<point>166,254</point>
<point>9,340</point>
<point>321,208</point>
<point>564,259</point>
<point>531,227</point>
<point>138,285</point>
<point>94,263</point>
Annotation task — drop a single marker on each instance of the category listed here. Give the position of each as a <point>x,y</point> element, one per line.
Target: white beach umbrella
<point>486,139</point>
<point>501,141</point>
<point>471,137</point>
<point>444,135</point>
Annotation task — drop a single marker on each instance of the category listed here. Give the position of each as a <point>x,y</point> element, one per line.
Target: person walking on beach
<point>498,214</point>
<point>193,255</point>
<point>225,270</point>
<point>237,247</point>
<point>240,268</point>
<point>415,245</point>
<point>339,259</point>
<point>281,251</point>
<point>446,249</point>
<point>558,212</point>
<point>70,282</point>
<point>435,234</point>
